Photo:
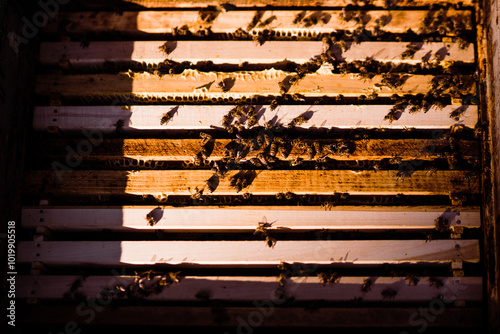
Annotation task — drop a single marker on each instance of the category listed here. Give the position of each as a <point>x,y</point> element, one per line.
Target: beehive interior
<point>204,159</point>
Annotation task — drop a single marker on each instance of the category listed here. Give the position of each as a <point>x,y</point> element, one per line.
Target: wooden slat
<point>265,182</point>
<point>203,85</point>
<point>162,22</point>
<point>186,149</point>
<point>273,316</point>
<point>246,253</point>
<point>202,117</point>
<point>278,3</point>
<point>236,288</point>
<point>237,52</point>
<point>246,218</point>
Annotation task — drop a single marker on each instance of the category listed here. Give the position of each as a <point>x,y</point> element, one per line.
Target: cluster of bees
<point>147,283</point>
<point>443,23</point>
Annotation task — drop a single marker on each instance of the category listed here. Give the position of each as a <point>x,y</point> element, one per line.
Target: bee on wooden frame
<point>150,219</point>
<point>296,162</point>
<point>119,126</point>
<point>274,104</point>
<point>309,152</point>
<point>196,193</point>
<point>165,118</point>
<point>251,121</point>
<point>367,285</point>
<point>273,149</point>
<point>205,137</point>
<point>437,282</point>
<point>222,85</point>
<point>412,279</point>
<point>389,293</point>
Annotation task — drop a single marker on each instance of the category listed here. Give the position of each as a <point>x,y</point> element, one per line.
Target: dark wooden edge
<point>264,314</point>
<point>487,20</point>
<point>16,109</point>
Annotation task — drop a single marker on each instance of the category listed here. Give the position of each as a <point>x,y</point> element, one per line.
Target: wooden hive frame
<point>129,135</point>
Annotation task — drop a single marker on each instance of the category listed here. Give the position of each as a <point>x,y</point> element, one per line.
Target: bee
<point>323,278</point>
<point>296,162</point>
<point>430,171</point>
<point>299,120</point>
<point>372,96</point>
<point>289,195</point>
<point>255,20</point>
<point>262,159</point>
<point>226,120</point>
<point>267,139</point>
<point>239,183</point>
<point>274,104</point>
<point>150,219</point>
<point>412,279</point>
<point>299,17</point>
<point>279,196</point>
<point>317,146</point>
<point>165,118</point>
<point>238,126</point>
<point>309,152</point>
<point>282,152</point>
<point>293,80</point>
<point>270,242</point>
<point>205,137</point>
<point>343,149</point>
<point>283,276</point>
<point>402,175</point>
<point>395,160</point>
<point>256,162</point>
<point>175,276</point>
<point>246,196</point>
<point>222,85</point>
<point>283,87</point>
<point>441,224</point>
<point>268,125</point>
<point>196,194</point>
<point>328,277</point>
<point>271,159</point>
<point>343,46</point>
<point>203,294</point>
<point>75,285</point>
<point>273,149</point>
<point>437,282</point>
<point>462,43</point>
<point>389,293</point>
<point>119,126</point>
<point>439,105</point>
<point>367,285</point>
<point>251,121</point>
<point>204,153</point>
<point>198,160</point>
<point>297,97</point>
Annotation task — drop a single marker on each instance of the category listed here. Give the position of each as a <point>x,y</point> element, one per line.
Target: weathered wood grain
<point>237,52</point>
<point>280,21</point>
<point>237,288</point>
<point>261,182</point>
<point>246,253</point>
<point>186,149</point>
<point>278,3</point>
<point>245,218</point>
<point>284,317</point>
<point>204,85</point>
<point>205,117</point>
